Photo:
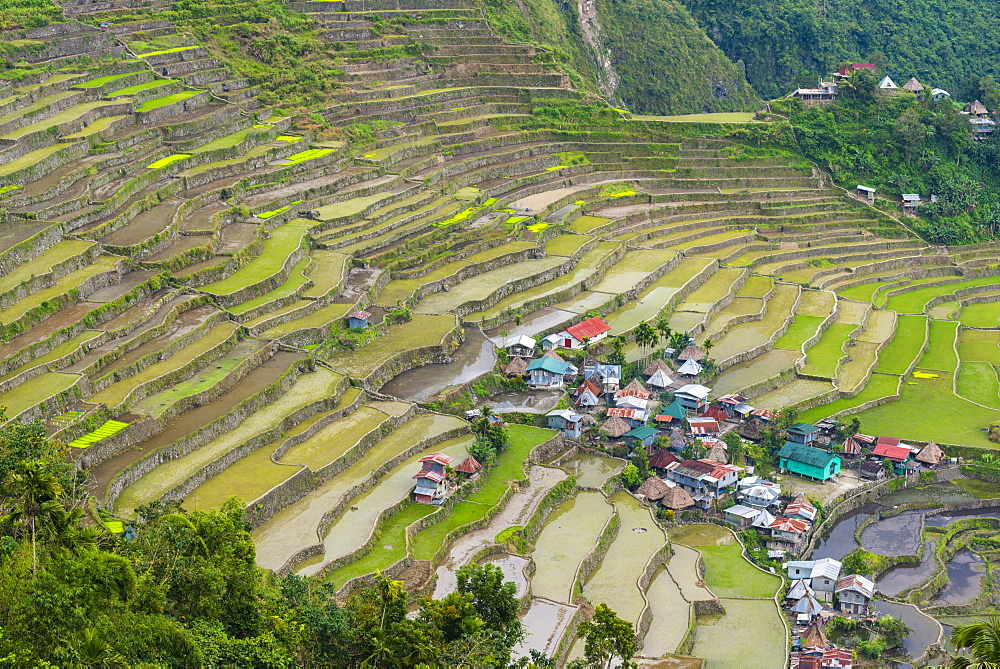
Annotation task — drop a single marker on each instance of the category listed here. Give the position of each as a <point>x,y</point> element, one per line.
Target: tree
<point>35,491</point>
<point>645,336</point>
<point>494,599</point>
<point>735,448</point>
<point>617,356</point>
<point>982,638</point>
<point>606,637</point>
<point>630,477</point>
<point>893,630</point>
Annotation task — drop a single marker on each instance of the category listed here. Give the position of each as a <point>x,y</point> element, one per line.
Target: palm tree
<point>381,651</point>
<point>707,345</point>
<point>36,491</point>
<point>663,327</point>
<point>388,590</point>
<point>983,639</point>
<point>645,336</point>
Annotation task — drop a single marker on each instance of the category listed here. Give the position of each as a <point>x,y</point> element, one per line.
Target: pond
<point>897,579</point>
<point>926,630</point>
<point>524,401</point>
<point>965,578</point>
<point>895,535</point>
<point>591,471</point>
<point>473,358</point>
<point>840,541</point>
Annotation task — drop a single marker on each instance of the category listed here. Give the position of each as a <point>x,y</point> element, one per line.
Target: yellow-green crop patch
<point>156,103</point>
<point>537,227</point>
<point>277,248</point>
<point>303,156</point>
<point>7,190</point>
<point>100,81</point>
<point>275,212</point>
<point>162,52</point>
<point>463,215</point>
<point>107,429</point>
<point>287,138</point>
<point>139,88</point>
<point>169,160</point>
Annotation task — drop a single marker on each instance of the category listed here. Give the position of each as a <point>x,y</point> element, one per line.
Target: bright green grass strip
<point>801,329</point>
<point>980,489</point>
<point>509,467</point>
<point>734,117</point>
<point>566,245</point>
<point>905,346</point>
<point>389,548</point>
<point>107,429</point>
<point>728,574</point>
<point>139,88</point>
<point>59,351</point>
<point>7,190</point>
<point>977,381</point>
<point>97,126</point>
<point>864,292</point>
<point>30,159</point>
<point>275,212</point>
<point>879,385</point>
<point>100,81</point>
<point>169,160</point>
<point>915,301</point>
<point>282,242</point>
<point>941,348</point>
<point>156,103</point>
<point>295,281</point>
<point>287,138</point>
<point>227,141</point>
<point>587,223</point>
<point>303,156</point>
<point>254,152</point>
<point>981,315</point>
<point>463,215</point>
<point>165,51</point>
<point>822,358</point>
<point>114,526</point>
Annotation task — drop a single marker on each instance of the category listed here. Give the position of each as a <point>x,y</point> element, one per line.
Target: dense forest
<point>947,43</point>
<point>904,143</point>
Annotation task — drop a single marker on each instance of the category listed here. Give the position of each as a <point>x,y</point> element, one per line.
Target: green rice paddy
<point>423,330</point>
<point>140,88</point>
<point>33,391</point>
<point>801,329</point>
<point>156,103</point>
<point>905,346</point>
<point>822,358</point>
<point>282,242</point>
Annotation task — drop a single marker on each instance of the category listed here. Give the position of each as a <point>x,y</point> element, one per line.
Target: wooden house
<point>704,479</point>
<point>677,499</point>
<point>849,69</point>
<point>547,372</point>
<point>691,352</point>
<point>787,534</point>
<point>468,467</point>
<point>657,365</point>
<point>643,436</point>
<point>653,489</point>
<point>358,320</point>
<point>752,430</point>
<point>632,417</point>
<point>431,487</point>
<point>808,461</point>
<point>854,594</point>
<point>801,433</point>
<point>569,423</point>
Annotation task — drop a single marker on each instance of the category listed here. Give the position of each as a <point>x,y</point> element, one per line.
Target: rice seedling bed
<point>483,285</point>
<point>422,330</point>
<point>156,103</point>
<point>168,475</point>
<point>586,223</point>
<point>915,301</point>
<point>756,286</point>
<point>941,353</point>
<point>140,88</point>
<point>566,245</point>
<point>801,329</point>
<point>283,241</point>
<point>905,346</point>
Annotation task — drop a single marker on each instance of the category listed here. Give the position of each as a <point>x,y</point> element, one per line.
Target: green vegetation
<point>282,242</point>
<point>801,329</point>
<point>156,103</point>
<point>905,345</point>
<point>822,358</point>
<point>729,574</point>
<point>21,14</point>
<point>139,88</point>
<point>980,489</point>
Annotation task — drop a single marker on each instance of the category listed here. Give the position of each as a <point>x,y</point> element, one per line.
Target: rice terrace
<point>464,311</point>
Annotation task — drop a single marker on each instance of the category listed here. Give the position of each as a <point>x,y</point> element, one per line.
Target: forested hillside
<point>949,43</point>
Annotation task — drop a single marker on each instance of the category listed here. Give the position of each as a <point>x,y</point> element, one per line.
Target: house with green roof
<point>801,433</point>
<point>645,436</point>
<point>808,461</point>
<point>547,372</point>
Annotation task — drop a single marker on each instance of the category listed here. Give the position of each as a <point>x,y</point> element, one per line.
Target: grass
<point>166,51</point>
<point>915,301</point>
<point>977,381</point>
<point>274,212</point>
<point>423,330</point>
<point>905,346</point>
<point>980,489</point>
<point>941,348</point>
<point>587,223</point>
<point>981,315</point>
<point>823,357</point>
<point>733,117</point>
<point>100,81</point>
<point>466,213</point>
<point>168,160</point>
<point>29,159</point>
<point>97,126</point>
<point>509,467</point>
<point>801,329</point>
<point>864,292</point>
<point>156,103</point>
<point>728,574</point>
<point>282,242</point>
<point>389,549</point>
<point>314,319</point>
<point>304,156</point>
<point>44,262</point>
<point>981,345</point>
<point>107,429</point>
<point>139,88</point>
<point>33,391</point>
<point>228,141</point>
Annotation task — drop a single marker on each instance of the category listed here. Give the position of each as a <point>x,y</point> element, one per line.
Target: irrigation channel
<point>949,574</point>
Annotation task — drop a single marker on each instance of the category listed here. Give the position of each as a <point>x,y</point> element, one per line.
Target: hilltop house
<point>887,84</point>
<point>763,494</point>
<point>592,330</point>
<point>854,594</point>
<point>825,92</point>
<point>808,461</point>
<point>569,423</point>
<point>913,85</point>
<point>432,479</point>
<point>849,69</point>
<point>692,396</point>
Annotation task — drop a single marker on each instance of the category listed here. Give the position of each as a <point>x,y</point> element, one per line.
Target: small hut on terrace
<point>717,452</point>
<point>616,427</point>
<point>691,352</point>
<point>677,499</point>
<point>468,466</point>
<point>654,489</point>
<point>913,85</point>
<point>659,380</point>
<point>931,455</point>
<point>657,365</point>
<point>814,636</point>
<point>516,367</point>
<point>753,429</point>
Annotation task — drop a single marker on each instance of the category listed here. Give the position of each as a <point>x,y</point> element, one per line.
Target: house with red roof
<point>787,534</point>
<point>704,479</point>
<point>849,69</point>
<point>432,479</point>
<point>893,449</point>
<point>588,394</point>
<point>591,330</point>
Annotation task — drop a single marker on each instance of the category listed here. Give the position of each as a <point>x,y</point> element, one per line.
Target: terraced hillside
<point>179,264</point>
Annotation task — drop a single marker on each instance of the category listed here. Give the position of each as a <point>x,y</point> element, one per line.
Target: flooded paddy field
<point>474,357</point>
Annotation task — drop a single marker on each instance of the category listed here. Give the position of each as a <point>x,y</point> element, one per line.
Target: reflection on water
<point>925,629</point>
<point>897,579</point>
<point>526,401</point>
<point>591,471</point>
<point>473,358</point>
<point>895,535</point>
<point>840,541</point>
<point>965,577</point>
<point>945,518</point>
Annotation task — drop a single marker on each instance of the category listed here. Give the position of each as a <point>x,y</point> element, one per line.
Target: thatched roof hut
<point>516,366</point>
<point>653,489</point>
<point>657,365</point>
<point>913,85</point>
<point>718,453</point>
<point>677,440</point>
<point>753,429</point>
<point>691,352</point>
<point>931,454</point>
<point>677,499</point>
<point>616,427</point>
<point>635,384</point>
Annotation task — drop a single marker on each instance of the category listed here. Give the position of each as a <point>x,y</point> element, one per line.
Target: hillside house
<point>854,594</point>
<point>910,202</point>
<point>887,84</point>
<point>587,395</point>
<point>633,417</point>
<point>432,487</point>
<point>662,458</point>
<point>930,455</point>
<point>675,412</point>
<point>821,575</point>
<point>468,467</point>
<point>551,342</point>
<point>704,426</point>
<point>659,380</point>
<point>358,320</point>
<point>520,345</point>
<point>871,470</point>
<point>891,448</point>
<point>866,192</point>
<point>657,365</point>
<point>808,461</point>
<point>852,448</point>
<point>692,397</point>
<point>677,499</point>
<point>616,427</point>
<point>977,109</point>
<point>849,69</point>
<point>690,368</point>
<point>826,91</point>
<point>547,373</point>
<point>705,480</point>
<point>728,404</point>
<point>800,508</point>
<point>913,85</point>
<point>569,423</point>
<point>939,94</point>
<point>691,352</point>
<point>516,367</point>
<point>653,489</point>
<point>801,433</point>
<point>745,516</point>
<point>591,330</point>
<point>605,375</point>
<point>764,494</point>
<point>642,437</point>
<point>821,657</point>
<point>787,534</point>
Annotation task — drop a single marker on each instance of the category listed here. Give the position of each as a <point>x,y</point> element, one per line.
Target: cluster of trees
<point>790,43</point>
<point>183,589</point>
<point>904,143</point>
<point>490,440</point>
<point>885,633</point>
